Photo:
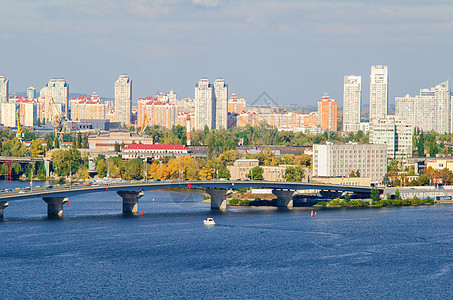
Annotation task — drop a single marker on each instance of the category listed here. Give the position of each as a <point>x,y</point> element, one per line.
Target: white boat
<point>209,221</point>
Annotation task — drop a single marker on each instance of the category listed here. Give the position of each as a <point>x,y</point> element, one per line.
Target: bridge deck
<point>60,190</point>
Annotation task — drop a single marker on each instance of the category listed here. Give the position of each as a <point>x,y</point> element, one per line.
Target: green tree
<point>14,148</point>
<point>116,147</point>
<point>74,141</point>
<point>49,142</point>
<point>56,142</point>
<point>224,173</point>
<point>385,180</point>
<point>346,197</point>
<point>134,169</point>
<point>423,180</point>
<point>397,195</point>
<point>179,132</point>
<point>421,145</point>
<point>294,174</point>
<point>374,194</point>
<point>36,148</point>
<point>101,168</point>
<point>79,140</point>
<point>256,173</point>
<point>85,141</point>
<point>62,160</point>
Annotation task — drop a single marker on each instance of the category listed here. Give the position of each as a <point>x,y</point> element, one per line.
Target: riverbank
<point>341,203</point>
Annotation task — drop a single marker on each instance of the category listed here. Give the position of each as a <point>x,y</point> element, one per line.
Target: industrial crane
<point>59,122</point>
<point>145,124</point>
<point>19,133</point>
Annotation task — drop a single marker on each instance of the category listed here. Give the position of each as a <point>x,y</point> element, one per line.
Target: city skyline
<point>265,46</point>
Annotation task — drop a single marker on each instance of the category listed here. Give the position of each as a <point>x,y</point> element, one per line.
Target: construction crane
<point>19,132</point>
<point>145,124</point>
<point>59,122</point>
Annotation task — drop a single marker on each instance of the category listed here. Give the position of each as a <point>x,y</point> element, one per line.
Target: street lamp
<point>31,176</point>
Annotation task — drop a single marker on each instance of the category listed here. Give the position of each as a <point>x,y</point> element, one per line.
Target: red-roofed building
<point>158,112</point>
<point>91,108</point>
<point>142,150</point>
<point>28,111</point>
<point>236,105</point>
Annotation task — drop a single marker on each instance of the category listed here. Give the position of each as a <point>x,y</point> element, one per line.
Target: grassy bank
<point>379,203</point>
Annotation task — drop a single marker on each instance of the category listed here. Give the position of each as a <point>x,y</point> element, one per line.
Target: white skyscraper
<point>221,103</point>
<point>429,111</point>
<point>58,90</point>
<point>4,89</point>
<point>123,99</point>
<point>395,133</point>
<point>205,108</point>
<point>379,82</point>
<point>31,93</point>
<point>352,102</point>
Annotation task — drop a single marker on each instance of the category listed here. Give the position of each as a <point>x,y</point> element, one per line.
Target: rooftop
<point>155,147</point>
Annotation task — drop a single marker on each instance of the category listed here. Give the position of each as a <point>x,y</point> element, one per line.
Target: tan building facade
<point>107,141</point>
<point>439,163</point>
<point>351,181</point>
<point>241,168</point>
<point>157,113</point>
<point>236,105</point>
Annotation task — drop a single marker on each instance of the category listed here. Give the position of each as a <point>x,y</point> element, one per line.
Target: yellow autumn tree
<point>206,173</point>
<point>151,171</point>
<point>163,172</point>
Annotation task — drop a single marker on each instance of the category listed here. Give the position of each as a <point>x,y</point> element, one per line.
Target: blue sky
<point>294,50</point>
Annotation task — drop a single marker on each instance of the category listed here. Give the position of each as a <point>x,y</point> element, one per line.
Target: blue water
<point>95,252</point>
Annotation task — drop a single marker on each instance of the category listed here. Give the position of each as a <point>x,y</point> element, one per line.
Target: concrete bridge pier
<point>55,206</point>
<point>284,198</point>
<point>3,205</point>
<point>47,166</point>
<point>218,198</point>
<point>130,201</point>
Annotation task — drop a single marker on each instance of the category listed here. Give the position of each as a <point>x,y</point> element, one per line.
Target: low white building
<point>340,160</point>
<point>156,150</point>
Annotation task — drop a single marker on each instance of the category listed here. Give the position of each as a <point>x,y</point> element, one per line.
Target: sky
<point>293,50</point>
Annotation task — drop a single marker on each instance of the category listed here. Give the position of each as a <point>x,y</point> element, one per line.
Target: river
<point>95,252</point>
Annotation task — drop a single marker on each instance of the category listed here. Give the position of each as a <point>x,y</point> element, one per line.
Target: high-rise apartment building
<point>31,93</point>
<point>429,111</point>
<point>58,90</point>
<point>157,112</point>
<point>393,132</point>
<point>28,110</point>
<point>236,105</point>
<point>352,103</point>
<point>327,113</point>
<point>4,89</point>
<point>221,103</point>
<point>123,99</point>
<point>379,83</point>
<point>8,113</point>
<point>88,108</point>
<point>205,106</point>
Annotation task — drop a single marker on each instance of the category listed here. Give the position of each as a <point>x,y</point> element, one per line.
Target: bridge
<point>58,195</point>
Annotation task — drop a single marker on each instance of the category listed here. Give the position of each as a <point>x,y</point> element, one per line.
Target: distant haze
<point>294,50</point>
